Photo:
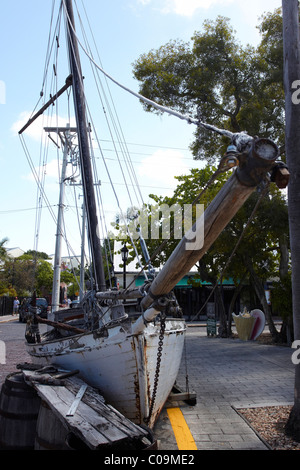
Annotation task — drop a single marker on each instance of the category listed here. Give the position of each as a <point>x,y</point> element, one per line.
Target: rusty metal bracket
<point>280,175</point>
<point>256,161</point>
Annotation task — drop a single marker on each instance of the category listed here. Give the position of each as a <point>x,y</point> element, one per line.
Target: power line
<point>149,145</point>
<point>11,211</point>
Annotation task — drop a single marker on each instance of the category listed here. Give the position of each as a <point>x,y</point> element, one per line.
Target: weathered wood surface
<point>218,214</point>
<point>67,314</point>
<point>97,424</point>
<point>63,326</point>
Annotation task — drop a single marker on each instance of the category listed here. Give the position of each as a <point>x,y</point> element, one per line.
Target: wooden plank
<point>95,423</point>
<point>63,326</point>
<point>59,400</point>
<point>95,401</point>
<point>76,402</point>
<point>181,396</point>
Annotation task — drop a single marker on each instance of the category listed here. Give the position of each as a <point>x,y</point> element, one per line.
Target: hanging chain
<point>158,361</point>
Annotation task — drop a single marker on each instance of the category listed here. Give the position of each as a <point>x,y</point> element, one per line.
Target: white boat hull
<point>120,365</point>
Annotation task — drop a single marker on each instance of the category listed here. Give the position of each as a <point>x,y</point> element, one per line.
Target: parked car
<point>42,308</point>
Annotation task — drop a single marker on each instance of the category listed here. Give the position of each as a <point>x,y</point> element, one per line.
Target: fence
<point>6,305</point>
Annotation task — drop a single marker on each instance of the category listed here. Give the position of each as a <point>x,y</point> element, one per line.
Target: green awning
<point>184,282</point>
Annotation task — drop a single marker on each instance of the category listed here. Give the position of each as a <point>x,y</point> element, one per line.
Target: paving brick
<point>229,373</point>
<point>225,374</point>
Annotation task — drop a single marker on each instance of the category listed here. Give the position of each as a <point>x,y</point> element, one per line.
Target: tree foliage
<point>240,88</point>
<point>219,81</point>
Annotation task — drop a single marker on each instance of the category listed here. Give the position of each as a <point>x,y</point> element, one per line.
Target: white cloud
<point>51,170</point>
<point>161,168</point>
<point>36,130</point>
<point>189,7</point>
<point>182,7</point>
<point>257,9</point>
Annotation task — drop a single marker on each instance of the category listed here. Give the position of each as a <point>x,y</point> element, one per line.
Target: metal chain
<point>158,361</point>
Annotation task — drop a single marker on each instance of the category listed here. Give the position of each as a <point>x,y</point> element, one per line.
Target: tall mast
<point>84,151</point>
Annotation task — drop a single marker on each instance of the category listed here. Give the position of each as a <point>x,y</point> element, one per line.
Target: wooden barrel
<point>50,432</point>
<point>19,407</point>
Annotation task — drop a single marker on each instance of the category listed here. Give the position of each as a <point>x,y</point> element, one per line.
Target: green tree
<point>33,254</point>
<point>72,281</point>
<point>24,274</point>
<point>220,82</point>
<point>43,277</point>
<point>19,274</point>
<point>233,87</point>
<point>257,257</point>
<point>3,252</point>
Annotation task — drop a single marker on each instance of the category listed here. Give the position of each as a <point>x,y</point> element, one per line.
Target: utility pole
<point>59,234</point>
<point>291,58</point>
<point>66,135</point>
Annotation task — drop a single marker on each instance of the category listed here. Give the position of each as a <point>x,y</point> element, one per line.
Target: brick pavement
<point>15,351</point>
<point>228,374</point>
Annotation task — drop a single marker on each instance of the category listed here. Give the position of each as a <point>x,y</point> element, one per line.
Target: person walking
<point>16,306</point>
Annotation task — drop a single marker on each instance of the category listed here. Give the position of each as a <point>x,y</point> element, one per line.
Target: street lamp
<point>124,254</point>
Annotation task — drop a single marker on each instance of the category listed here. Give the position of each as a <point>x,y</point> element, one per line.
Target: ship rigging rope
<point>240,139</point>
<point>103,158</point>
<point>41,188</point>
<point>112,111</point>
<point>240,136</point>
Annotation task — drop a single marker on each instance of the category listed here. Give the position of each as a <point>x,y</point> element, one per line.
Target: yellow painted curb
<point>183,435</point>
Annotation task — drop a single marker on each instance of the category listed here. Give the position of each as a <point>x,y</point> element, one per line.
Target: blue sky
<point>123,30</point>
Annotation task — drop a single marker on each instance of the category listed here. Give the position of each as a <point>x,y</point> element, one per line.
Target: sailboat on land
<point>128,343</point>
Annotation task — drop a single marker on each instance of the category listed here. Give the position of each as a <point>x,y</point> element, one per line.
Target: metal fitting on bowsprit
<point>256,161</point>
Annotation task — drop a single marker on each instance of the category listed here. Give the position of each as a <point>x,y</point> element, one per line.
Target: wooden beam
<point>46,105</point>
<point>63,326</point>
<point>219,213</point>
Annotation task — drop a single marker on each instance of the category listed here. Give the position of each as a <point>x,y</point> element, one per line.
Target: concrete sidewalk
<point>5,318</point>
<point>228,374</point>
